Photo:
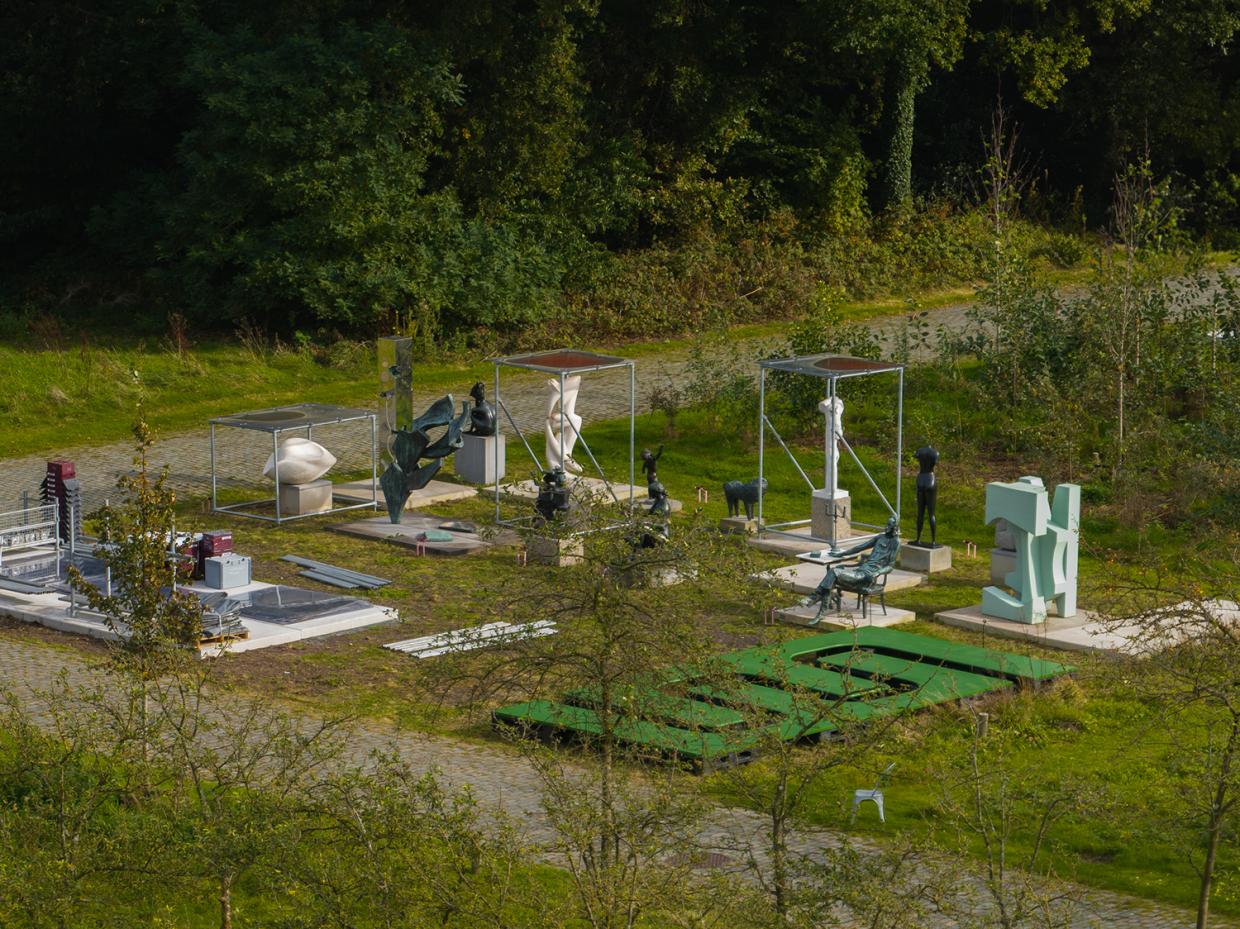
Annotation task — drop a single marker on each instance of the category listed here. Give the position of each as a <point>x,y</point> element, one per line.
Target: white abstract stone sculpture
<point>833,410</point>
<point>562,421</point>
<point>301,461</point>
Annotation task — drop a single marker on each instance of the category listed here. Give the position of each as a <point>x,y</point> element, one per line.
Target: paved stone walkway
<point>504,780</point>
<point>241,454</point>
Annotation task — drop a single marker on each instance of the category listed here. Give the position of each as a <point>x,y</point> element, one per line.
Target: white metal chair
<point>874,795</point>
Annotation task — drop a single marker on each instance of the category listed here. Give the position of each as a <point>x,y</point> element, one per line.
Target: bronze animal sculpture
<point>737,493</point>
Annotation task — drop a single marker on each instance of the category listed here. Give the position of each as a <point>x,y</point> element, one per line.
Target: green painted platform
<point>803,689</point>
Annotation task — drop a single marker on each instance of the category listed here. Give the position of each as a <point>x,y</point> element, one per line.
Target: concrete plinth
<point>798,541</point>
<point>1080,633</point>
<point>555,552</point>
<point>593,489</point>
<point>304,499</point>
<point>825,511</point>
<point>431,534</point>
<point>925,558</point>
<point>433,493</point>
<point>475,461</point>
<point>804,578</point>
<point>847,618</point>
<point>1002,563</point>
<point>738,525</point>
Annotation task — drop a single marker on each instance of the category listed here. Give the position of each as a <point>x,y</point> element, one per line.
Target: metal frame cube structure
<point>561,363</point>
<point>833,369</point>
<point>297,417</point>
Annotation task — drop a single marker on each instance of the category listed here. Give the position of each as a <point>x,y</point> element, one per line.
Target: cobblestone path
<point>241,454</point>
<point>503,779</point>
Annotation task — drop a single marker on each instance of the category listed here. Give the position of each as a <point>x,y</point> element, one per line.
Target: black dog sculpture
<point>738,493</point>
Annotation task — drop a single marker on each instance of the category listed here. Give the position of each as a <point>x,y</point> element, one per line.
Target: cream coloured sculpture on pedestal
<point>563,423</point>
<point>831,507</point>
<point>301,461</point>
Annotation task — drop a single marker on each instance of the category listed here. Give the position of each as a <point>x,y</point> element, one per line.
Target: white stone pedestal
<point>738,525</point>
<point>823,509</point>
<point>555,552</point>
<point>925,558</point>
<point>847,618</point>
<point>304,499</point>
<point>475,461</point>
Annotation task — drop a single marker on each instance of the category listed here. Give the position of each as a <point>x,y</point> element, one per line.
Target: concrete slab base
<point>50,610</point>
<point>798,541</point>
<point>847,618</point>
<point>435,492</point>
<point>409,532</point>
<point>1080,633</point>
<point>593,487</point>
<point>738,525</point>
<point>925,559</point>
<point>804,577</point>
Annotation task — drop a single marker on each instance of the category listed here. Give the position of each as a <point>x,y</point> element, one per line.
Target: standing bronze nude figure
<point>927,492</point>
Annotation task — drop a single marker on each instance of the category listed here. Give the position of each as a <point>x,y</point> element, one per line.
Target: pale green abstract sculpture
<point>1047,549</point>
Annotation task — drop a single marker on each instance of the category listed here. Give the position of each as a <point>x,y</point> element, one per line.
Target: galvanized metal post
<point>632,428</point>
<point>761,437</point>
<point>899,443</point>
<point>374,461</point>
<point>498,405</point>
<point>213,492</point>
<point>275,468</point>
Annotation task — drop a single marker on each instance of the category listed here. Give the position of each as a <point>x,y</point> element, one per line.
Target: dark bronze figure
<point>553,495</point>
<point>410,445</point>
<point>927,492</point>
<point>650,464</point>
<point>746,493</point>
<point>660,505</point>
<point>883,549</point>
<point>482,418</point>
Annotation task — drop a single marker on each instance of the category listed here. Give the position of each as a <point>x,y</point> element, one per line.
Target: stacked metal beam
<point>464,640</point>
<point>336,577</point>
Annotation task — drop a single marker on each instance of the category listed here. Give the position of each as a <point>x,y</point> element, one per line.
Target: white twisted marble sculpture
<point>832,469</point>
<point>562,416</point>
<point>301,461</point>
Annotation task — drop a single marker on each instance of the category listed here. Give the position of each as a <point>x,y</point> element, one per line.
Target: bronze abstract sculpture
<point>861,578</point>
<point>409,445</point>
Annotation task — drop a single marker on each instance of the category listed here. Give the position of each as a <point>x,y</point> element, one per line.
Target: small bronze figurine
<point>482,417</point>
<point>650,464</point>
<point>660,505</point>
<point>927,491</point>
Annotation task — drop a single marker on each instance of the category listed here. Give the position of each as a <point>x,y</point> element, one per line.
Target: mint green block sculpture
<point>1047,549</point>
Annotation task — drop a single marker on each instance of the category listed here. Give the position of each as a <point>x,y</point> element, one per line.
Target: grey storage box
<point>224,572</point>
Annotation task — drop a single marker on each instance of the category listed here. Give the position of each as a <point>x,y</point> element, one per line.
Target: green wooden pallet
<point>805,688</point>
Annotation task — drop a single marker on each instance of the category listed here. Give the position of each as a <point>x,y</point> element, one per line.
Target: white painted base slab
<point>48,609</point>
<point>804,577</point>
<point>798,541</point>
<point>1080,633</point>
<point>433,493</point>
<point>593,487</point>
<point>848,618</point>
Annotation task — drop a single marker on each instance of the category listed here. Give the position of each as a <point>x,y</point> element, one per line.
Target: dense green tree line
<point>452,166</point>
